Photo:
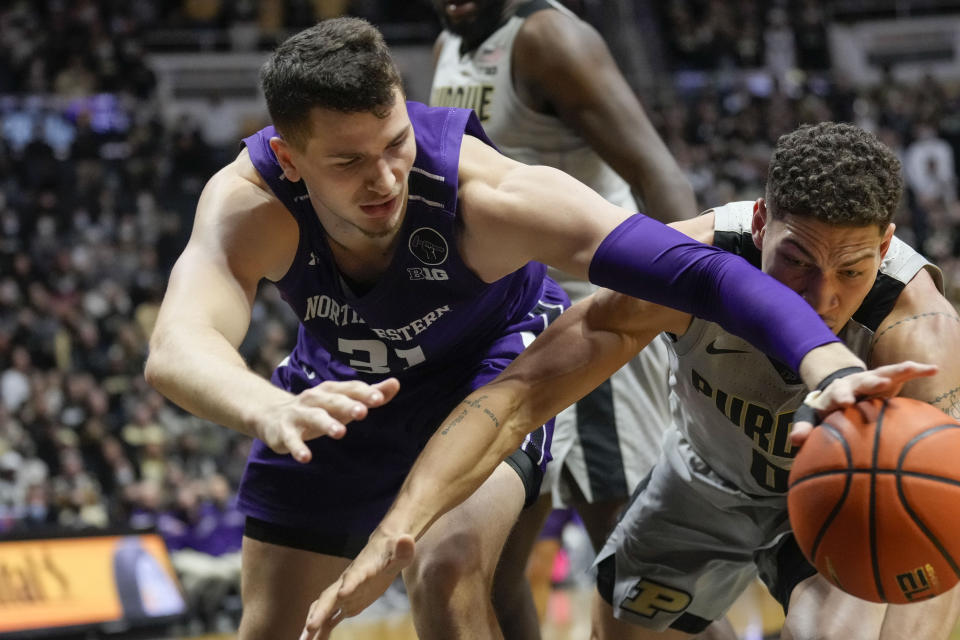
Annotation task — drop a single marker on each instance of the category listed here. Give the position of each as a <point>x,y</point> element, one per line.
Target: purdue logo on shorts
<point>647,598</point>
<point>428,246</point>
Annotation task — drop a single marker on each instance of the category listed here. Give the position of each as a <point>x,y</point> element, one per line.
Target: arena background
<point>113,114</point>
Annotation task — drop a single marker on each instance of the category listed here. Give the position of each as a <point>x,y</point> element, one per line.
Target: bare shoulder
<point>481,173</point>
<point>553,46</point>
<point>481,163</point>
<point>920,306</point>
<point>239,185</point>
<point>546,34</point>
<point>924,327</point>
<point>240,218</point>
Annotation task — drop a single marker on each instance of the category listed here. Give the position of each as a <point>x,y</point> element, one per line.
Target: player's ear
<point>887,239</point>
<point>758,223</point>
<point>282,150</point>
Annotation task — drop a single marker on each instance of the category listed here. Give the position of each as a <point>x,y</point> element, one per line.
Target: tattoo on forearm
<point>953,317</point>
<point>493,418</point>
<point>476,403</point>
<point>949,403</point>
<point>454,422</point>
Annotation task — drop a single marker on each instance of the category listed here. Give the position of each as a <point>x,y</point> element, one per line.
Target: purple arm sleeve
<point>646,259</point>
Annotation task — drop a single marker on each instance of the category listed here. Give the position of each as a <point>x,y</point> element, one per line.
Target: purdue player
<point>712,515</point>
<point>548,92</point>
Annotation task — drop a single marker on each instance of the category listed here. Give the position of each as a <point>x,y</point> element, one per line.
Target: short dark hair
<point>834,172</point>
<point>341,64</point>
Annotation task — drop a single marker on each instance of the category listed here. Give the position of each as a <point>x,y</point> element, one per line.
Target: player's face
<point>831,267</point>
<point>355,167</point>
<point>473,20</point>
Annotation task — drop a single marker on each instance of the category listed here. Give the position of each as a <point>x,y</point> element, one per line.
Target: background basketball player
<point>547,91</point>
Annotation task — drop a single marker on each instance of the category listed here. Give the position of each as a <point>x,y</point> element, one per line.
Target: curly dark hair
<point>341,64</point>
<point>834,172</point>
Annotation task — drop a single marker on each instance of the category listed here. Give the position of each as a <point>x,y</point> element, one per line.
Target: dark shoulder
<point>552,32</point>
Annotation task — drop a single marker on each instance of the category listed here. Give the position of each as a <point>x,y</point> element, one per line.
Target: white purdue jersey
<point>482,80</point>
<point>608,440</point>
<point>734,404</point>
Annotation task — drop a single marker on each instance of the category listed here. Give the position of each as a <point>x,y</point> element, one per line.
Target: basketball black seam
<point>903,498</point>
<point>874,556</point>
<point>832,430</point>
<point>882,472</point>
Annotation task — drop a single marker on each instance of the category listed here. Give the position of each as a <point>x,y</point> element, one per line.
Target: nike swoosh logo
<point>716,351</point>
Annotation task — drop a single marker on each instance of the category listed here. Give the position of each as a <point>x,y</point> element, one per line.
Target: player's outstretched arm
<point>575,354</point>
<point>241,234</point>
<point>513,213</point>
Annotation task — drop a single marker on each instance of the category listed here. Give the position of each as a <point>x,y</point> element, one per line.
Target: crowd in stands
<point>723,132</point>
<point>96,201</point>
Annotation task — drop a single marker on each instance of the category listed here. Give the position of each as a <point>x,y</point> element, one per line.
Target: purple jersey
<point>428,309</point>
<point>429,321</point>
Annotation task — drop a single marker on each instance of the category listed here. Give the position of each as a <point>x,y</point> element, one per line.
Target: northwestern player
<point>407,246</point>
<point>712,513</point>
<point>547,91</point>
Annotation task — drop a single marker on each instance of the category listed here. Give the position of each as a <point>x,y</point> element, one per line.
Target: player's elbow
<point>521,419</point>
<point>157,369</point>
<point>152,371</point>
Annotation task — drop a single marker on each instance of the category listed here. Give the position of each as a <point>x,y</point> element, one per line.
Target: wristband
<point>839,373</point>
<point>806,411</point>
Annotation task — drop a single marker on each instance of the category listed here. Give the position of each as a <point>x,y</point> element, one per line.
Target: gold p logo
<point>647,598</point>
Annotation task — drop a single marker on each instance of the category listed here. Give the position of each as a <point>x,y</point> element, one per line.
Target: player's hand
<point>885,381</point>
<point>365,580</point>
<point>320,411</point>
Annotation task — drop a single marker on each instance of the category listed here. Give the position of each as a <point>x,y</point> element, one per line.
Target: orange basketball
<point>874,496</point>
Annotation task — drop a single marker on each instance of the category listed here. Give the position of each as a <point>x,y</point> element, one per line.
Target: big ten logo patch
<point>919,584</point>
<point>648,598</point>
<point>428,246</point>
<point>426,273</point>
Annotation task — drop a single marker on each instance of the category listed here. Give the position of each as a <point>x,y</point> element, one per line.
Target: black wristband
<point>839,373</point>
<point>806,413</point>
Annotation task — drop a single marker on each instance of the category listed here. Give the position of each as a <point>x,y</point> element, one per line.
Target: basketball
<point>872,500</point>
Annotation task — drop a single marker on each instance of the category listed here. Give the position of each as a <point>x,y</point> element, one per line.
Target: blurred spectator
<point>14,383</point>
<point>930,167</point>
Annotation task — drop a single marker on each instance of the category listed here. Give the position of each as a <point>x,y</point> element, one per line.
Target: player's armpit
<point>632,317</point>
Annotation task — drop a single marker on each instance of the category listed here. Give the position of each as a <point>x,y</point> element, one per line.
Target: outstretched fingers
<point>350,400</point>
<point>365,580</point>
<point>885,381</point>
<point>324,615</point>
